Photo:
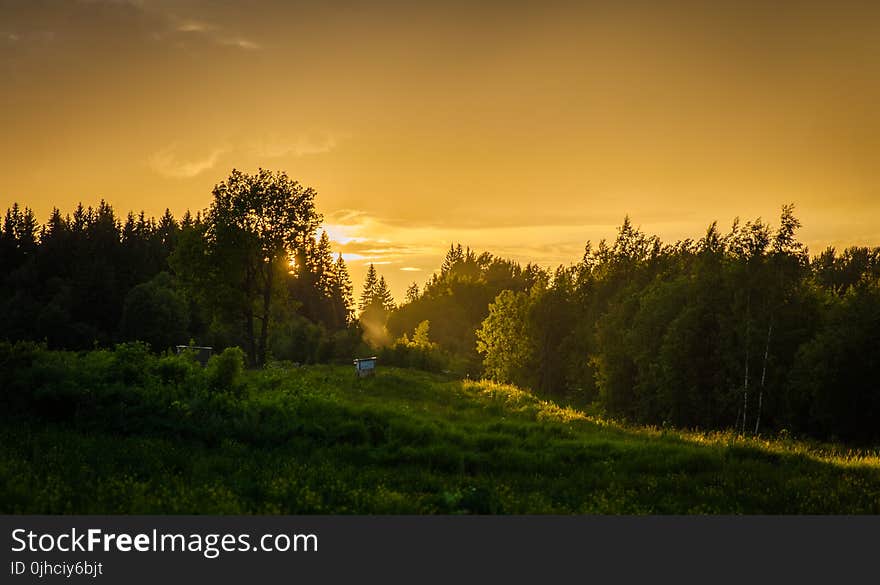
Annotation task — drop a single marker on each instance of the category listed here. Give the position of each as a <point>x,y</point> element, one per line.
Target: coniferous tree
<point>382,296</point>
<point>375,306</point>
<point>454,255</point>
<point>341,293</point>
<point>737,330</point>
<point>368,293</point>
<point>412,293</point>
<point>323,264</point>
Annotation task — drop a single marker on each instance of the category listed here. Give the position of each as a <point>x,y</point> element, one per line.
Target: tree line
<point>247,272</point>
<point>739,330</point>
<point>742,329</point>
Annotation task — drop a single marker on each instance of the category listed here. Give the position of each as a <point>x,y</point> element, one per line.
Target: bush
<point>173,369</point>
<point>224,371</point>
<point>156,313</point>
<point>834,383</point>
<point>130,362</point>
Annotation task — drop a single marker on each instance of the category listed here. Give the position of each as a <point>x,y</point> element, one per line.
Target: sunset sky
<point>523,128</point>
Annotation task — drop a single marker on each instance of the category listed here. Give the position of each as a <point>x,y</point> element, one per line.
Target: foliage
<point>834,383</point>
<point>419,352</point>
<point>503,338</point>
<point>319,440</point>
<point>91,278</point>
<point>376,303</point>
<point>224,370</point>
<point>254,225</point>
<point>155,312</point>
<point>456,300</point>
<point>739,330</point>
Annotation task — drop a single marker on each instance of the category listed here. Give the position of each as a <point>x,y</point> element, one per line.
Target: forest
<point>742,330</point>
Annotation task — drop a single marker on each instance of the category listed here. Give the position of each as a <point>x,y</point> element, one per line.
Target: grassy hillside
<point>317,440</point>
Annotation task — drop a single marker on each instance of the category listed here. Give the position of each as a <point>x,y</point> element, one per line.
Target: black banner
<point>402,549</point>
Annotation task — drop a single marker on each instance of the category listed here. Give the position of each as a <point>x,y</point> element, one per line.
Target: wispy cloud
<point>170,162</point>
<point>213,33</point>
<point>139,4</point>
<point>417,247</point>
<point>194,26</point>
<point>415,250</point>
<point>298,146</point>
<point>36,36</point>
<point>167,163</point>
<point>348,217</point>
<point>240,43</point>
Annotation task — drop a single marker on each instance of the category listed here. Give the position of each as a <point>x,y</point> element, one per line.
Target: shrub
<point>156,313</point>
<point>224,371</point>
<point>130,362</point>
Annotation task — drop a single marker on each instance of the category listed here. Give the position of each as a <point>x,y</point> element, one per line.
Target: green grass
<point>318,440</point>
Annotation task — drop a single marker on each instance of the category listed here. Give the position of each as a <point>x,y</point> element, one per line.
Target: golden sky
<point>524,128</point>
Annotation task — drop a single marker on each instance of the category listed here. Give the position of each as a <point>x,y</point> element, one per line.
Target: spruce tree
<point>343,301</point>
<point>412,293</point>
<point>323,265</point>
<point>371,281</point>
<point>382,296</point>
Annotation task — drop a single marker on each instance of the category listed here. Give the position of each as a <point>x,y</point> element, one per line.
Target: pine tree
<point>167,231</point>
<point>371,281</point>
<point>21,227</point>
<point>343,302</point>
<point>323,265</point>
<point>55,228</point>
<point>382,296</point>
<point>412,293</point>
<point>81,218</point>
<point>129,229</point>
<point>454,256</point>
<point>20,235</point>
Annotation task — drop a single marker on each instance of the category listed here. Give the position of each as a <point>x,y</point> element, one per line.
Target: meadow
<point>127,432</point>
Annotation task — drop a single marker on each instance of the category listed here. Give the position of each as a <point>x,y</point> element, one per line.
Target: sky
<point>522,128</point>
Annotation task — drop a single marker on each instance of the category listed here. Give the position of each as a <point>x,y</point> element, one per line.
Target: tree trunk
<point>251,342</point>
<point>249,321</point>
<point>746,380</point>
<point>763,376</point>
<point>267,303</point>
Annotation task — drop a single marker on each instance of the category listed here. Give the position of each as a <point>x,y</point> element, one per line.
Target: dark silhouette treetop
<point>254,225</point>
<point>278,212</point>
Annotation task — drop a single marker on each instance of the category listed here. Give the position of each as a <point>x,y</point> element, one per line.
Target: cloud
<point>212,32</point>
<point>373,247</point>
<point>339,233</point>
<point>167,163</point>
<point>346,216</point>
<point>194,26</point>
<point>300,146</point>
<point>351,257</point>
<point>39,36</point>
<point>240,43</point>
<point>417,246</point>
<point>416,249</point>
<point>139,4</point>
